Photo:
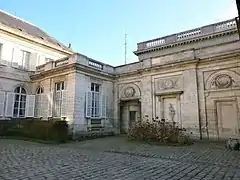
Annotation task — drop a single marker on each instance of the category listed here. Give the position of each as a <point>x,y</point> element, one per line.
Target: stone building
<point>192,78</point>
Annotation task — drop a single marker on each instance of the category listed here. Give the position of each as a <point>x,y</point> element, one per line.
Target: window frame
<point>18,99</point>
<point>95,101</point>
<point>25,63</point>
<point>58,99</point>
<point>39,97</point>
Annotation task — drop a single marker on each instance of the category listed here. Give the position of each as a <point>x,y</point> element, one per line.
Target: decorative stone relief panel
<point>168,84</point>
<point>129,91</point>
<point>222,80</point>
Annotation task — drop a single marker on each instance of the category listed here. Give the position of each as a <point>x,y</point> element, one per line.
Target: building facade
<point>192,78</point>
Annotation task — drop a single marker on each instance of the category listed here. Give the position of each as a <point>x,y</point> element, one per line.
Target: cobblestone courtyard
<point>116,158</point>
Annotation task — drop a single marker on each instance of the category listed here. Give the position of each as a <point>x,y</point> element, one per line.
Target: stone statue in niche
<point>223,81</point>
<point>129,92</point>
<point>171,111</point>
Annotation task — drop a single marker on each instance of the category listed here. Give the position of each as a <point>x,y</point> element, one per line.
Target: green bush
<point>37,129</point>
<point>158,131</point>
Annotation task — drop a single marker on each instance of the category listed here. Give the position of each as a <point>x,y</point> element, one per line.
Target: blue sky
<point>96,28</point>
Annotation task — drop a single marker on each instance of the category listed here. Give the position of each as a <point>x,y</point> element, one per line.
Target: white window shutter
<point>33,62</point>
<point>9,104</point>
<point>98,104</point>
<point>7,52</point>
<point>42,109</point>
<point>30,106</point>
<point>37,105</point>
<point>50,104</point>
<point>2,100</point>
<point>88,107</point>
<point>107,107</point>
<point>64,104</point>
<point>16,55</point>
<point>103,106</point>
<point>44,105</point>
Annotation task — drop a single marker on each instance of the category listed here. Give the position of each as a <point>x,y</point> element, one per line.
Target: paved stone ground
<point>116,158</point>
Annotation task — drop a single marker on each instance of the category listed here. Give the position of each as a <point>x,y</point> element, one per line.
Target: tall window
<point>20,102</point>
<point>38,102</point>
<point>59,87</point>
<point>25,59</point>
<point>95,89</point>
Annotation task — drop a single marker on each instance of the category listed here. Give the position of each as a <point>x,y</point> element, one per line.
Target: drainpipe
<point>199,119</point>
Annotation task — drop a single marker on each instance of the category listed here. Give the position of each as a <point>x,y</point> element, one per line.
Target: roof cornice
<point>184,42</point>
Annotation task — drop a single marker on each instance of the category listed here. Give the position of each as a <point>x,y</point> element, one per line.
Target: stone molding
<point>130,91</point>
<point>223,79</point>
<point>168,84</point>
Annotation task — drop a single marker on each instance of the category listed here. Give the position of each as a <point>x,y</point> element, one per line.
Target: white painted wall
<point>11,51</point>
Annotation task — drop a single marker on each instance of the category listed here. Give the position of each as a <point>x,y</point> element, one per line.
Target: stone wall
<point>183,76</point>
<point>82,86</point>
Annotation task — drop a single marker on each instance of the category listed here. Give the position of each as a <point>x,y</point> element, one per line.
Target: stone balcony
<point>81,61</point>
<point>175,39</point>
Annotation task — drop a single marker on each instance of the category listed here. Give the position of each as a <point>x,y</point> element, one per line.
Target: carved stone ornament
<point>129,92</point>
<point>168,84</point>
<point>223,81</point>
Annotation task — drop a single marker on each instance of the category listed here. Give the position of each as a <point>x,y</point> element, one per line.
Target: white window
<point>19,102</point>
<point>96,103</point>
<point>60,100</point>
<point>95,88</point>
<point>39,102</point>
<point>25,59</point>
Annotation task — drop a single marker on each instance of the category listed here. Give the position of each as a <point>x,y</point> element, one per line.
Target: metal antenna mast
<point>125,45</point>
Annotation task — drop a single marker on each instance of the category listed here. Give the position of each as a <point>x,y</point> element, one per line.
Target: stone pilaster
<point>146,97</point>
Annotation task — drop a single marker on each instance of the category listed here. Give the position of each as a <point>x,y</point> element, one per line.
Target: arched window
<point>39,102</point>
<point>39,90</point>
<point>20,102</point>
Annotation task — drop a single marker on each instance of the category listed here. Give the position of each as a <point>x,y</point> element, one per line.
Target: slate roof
<point>21,25</point>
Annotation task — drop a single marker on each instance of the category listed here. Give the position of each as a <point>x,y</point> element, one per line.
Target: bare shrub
<point>158,131</point>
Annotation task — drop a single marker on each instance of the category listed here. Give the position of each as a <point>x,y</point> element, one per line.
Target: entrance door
<point>132,118</point>
<point>130,112</point>
<point>227,119</point>
<point>122,124</point>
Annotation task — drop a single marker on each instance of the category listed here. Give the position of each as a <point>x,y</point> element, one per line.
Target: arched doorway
<point>130,106</point>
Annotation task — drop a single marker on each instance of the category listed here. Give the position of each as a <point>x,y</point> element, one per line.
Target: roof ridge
<point>17,18</point>
<point>33,30</point>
